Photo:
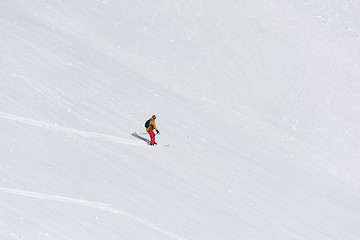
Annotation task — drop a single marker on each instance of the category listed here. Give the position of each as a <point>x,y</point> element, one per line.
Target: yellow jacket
<point>152,125</point>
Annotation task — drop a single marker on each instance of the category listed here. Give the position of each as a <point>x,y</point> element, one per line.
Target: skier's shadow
<point>140,137</point>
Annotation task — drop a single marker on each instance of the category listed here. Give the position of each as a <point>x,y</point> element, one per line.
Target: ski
<point>162,145</point>
<point>137,135</point>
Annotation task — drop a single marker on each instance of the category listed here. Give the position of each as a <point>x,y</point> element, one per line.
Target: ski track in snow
<point>55,127</point>
<point>102,206</point>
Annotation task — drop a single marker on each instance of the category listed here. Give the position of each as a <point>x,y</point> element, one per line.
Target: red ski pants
<point>152,137</point>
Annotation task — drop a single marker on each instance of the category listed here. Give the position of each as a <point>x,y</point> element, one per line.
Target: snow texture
<point>259,100</point>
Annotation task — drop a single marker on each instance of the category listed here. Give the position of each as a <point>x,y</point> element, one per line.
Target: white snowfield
<point>259,101</point>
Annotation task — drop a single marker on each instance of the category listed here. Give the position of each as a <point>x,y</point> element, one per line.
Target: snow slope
<point>259,101</point>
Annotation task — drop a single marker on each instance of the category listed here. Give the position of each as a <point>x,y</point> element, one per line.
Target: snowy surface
<point>259,100</point>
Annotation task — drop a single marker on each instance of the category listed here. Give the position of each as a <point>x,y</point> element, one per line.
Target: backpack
<point>147,123</point>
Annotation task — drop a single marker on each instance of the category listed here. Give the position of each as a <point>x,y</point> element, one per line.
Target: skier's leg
<point>152,137</point>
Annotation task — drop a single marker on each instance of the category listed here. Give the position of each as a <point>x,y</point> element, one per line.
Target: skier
<point>150,128</point>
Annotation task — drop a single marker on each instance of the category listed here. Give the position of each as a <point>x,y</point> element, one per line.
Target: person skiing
<point>150,129</point>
